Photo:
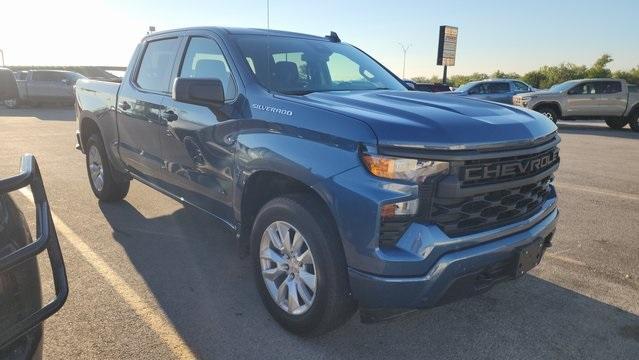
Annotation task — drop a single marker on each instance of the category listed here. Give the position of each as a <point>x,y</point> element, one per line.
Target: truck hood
<point>422,120</point>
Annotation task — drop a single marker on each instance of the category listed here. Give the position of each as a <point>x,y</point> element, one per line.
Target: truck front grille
<point>458,216</point>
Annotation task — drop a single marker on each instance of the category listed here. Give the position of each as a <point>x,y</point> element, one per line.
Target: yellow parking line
<point>154,318</point>
<point>599,191</point>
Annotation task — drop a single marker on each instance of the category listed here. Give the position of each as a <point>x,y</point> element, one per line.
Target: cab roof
<point>240,31</point>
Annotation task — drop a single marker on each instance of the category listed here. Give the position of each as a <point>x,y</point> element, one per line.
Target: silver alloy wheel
<point>549,115</point>
<point>288,268</point>
<point>11,103</point>
<point>96,169</point>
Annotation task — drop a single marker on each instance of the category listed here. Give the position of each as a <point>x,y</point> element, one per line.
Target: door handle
<point>125,106</point>
<point>169,116</point>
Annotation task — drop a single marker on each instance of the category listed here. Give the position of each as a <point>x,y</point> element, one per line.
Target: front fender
<point>302,154</point>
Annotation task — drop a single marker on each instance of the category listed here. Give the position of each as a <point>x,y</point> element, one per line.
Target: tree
<point>599,69</point>
<point>547,76</point>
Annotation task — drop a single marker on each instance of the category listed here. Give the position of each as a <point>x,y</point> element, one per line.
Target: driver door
<point>197,153</point>
<point>583,100</point>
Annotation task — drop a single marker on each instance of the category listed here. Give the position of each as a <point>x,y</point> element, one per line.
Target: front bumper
<point>457,274</point>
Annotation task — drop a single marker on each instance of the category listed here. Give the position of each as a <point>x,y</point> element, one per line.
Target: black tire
<point>111,189</point>
<point>634,121</point>
<point>333,304</point>
<point>616,122</point>
<point>549,112</point>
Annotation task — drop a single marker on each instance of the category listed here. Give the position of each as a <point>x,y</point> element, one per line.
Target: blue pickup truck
<point>347,190</point>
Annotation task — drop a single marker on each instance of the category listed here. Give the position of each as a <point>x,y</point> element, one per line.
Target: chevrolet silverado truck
<point>345,188</point>
<point>45,86</point>
<point>613,100</point>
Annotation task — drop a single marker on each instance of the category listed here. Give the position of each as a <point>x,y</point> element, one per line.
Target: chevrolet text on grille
<point>522,167</point>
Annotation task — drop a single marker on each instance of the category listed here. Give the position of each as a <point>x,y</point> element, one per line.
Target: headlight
<point>526,98</point>
<point>416,170</point>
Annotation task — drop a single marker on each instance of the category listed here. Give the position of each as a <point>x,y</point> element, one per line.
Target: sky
<point>494,35</point>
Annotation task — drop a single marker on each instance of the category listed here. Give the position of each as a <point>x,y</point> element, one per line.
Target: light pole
<point>2,54</point>
<point>404,49</point>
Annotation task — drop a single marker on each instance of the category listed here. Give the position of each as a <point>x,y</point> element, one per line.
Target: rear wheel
<point>548,112</point>
<point>104,185</point>
<point>300,270</point>
<point>616,123</point>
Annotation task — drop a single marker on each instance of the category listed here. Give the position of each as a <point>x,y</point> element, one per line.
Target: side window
<point>520,86</point>
<point>343,69</point>
<point>479,89</point>
<point>49,76</point>
<point>157,63</point>
<point>610,87</point>
<point>498,88</point>
<point>204,59</point>
<point>633,88</point>
<point>584,89</point>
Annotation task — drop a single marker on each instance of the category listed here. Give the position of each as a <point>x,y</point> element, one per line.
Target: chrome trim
<point>479,146</point>
<point>468,154</point>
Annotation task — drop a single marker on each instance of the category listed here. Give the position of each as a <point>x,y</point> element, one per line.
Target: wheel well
<point>87,128</point>
<point>259,189</point>
<point>553,106</point>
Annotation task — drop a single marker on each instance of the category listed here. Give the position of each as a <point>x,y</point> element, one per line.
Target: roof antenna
<point>333,37</point>
<point>268,15</point>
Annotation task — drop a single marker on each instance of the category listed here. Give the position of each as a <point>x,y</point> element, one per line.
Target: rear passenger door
<point>613,100</point>
<point>141,107</point>
<point>198,156</point>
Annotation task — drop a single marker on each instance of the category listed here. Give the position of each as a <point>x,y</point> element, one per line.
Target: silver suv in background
<point>610,99</point>
<point>499,90</point>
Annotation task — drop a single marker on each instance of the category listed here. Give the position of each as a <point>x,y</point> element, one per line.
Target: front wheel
<point>548,112</point>
<point>616,123</point>
<point>104,185</point>
<point>300,269</point>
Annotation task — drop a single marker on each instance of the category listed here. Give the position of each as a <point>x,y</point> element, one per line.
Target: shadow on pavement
<point>61,113</point>
<point>596,129</point>
<point>191,265</point>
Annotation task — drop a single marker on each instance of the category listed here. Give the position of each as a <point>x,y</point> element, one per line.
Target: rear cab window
<point>154,72</point>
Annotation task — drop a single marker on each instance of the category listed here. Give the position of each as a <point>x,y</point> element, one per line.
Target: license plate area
<point>528,257</point>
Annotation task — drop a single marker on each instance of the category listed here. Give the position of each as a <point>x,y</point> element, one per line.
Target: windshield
<point>564,86</point>
<point>301,66</point>
<point>465,87</point>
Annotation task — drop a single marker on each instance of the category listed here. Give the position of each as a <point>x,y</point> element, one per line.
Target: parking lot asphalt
<point>152,279</point>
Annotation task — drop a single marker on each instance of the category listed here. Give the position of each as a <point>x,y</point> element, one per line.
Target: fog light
<point>400,209</point>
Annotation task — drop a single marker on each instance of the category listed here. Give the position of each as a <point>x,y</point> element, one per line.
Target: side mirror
<point>198,91</point>
<point>410,84</point>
